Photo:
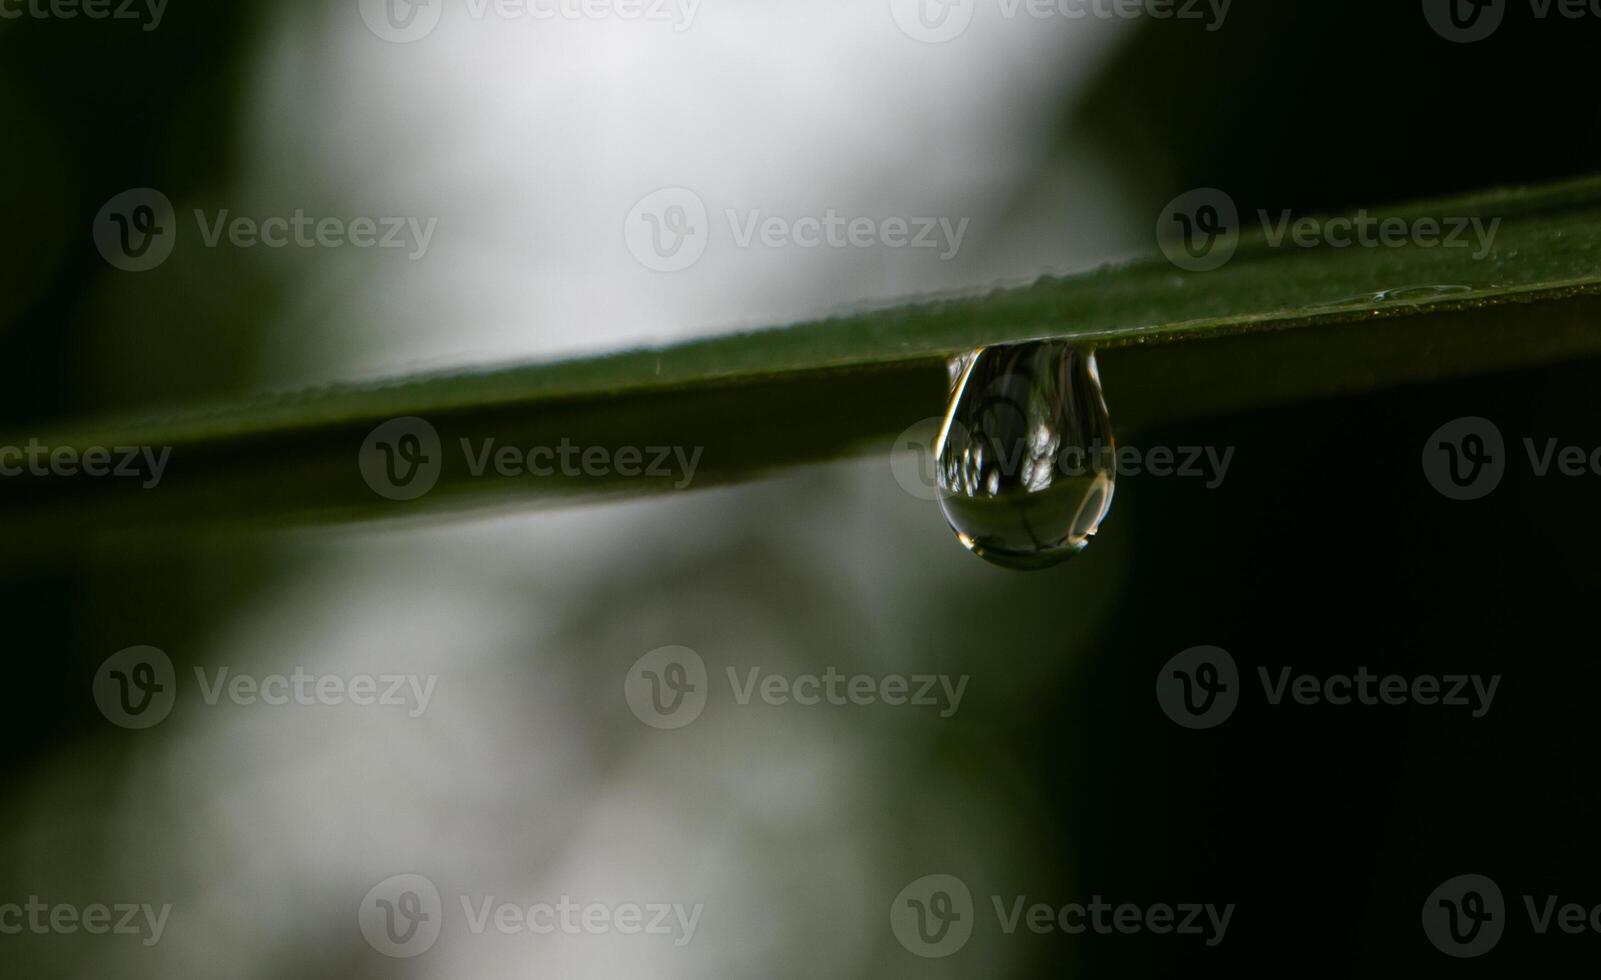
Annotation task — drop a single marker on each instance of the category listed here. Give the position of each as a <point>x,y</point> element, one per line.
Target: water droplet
<point>1025,457</point>
<point>1419,294</point>
<point>1398,294</point>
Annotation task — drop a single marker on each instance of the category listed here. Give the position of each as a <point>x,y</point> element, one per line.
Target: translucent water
<point>1419,294</point>
<point>1025,456</point>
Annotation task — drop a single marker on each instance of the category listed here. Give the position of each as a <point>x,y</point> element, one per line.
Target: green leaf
<point>1275,324</point>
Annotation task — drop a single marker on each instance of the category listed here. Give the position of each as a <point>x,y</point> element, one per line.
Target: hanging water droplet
<point>1025,457</point>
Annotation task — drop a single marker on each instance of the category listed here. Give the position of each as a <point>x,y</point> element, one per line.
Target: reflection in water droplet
<point>1026,457</point>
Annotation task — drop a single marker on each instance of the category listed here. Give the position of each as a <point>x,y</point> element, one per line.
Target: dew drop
<point>1419,294</point>
<point>1025,456</point>
<point>1398,294</point>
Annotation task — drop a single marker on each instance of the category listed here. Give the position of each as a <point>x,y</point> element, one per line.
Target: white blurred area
<point>530,141</point>
<point>527,779</point>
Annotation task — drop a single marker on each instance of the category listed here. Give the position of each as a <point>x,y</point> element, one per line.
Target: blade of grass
<point>1275,324</point>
